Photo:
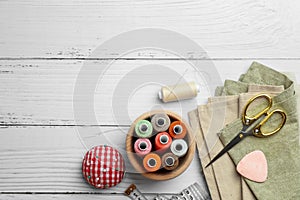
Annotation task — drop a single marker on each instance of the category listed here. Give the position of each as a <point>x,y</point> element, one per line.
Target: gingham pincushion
<point>103,167</point>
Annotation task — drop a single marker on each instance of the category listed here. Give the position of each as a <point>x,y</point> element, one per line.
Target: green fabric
<point>234,87</point>
<point>281,149</point>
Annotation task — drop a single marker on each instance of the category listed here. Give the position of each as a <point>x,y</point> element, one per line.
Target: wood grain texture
<point>65,196</point>
<point>226,29</point>
<point>69,196</point>
<point>40,92</point>
<point>44,44</point>
<point>48,160</point>
<point>60,196</point>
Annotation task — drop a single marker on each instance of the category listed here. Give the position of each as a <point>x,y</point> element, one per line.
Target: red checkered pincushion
<point>103,167</point>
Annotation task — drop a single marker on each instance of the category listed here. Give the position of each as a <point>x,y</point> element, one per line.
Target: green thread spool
<point>143,129</point>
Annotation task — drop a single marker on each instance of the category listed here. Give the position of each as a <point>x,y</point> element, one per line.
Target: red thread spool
<point>152,162</point>
<point>163,141</point>
<point>177,130</point>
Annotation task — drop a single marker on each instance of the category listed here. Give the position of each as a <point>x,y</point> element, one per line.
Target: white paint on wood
<point>62,196</point>
<point>48,159</point>
<point>68,196</point>
<point>36,90</point>
<point>41,91</point>
<point>227,29</point>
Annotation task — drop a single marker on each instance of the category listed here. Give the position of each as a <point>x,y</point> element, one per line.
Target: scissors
<point>252,124</point>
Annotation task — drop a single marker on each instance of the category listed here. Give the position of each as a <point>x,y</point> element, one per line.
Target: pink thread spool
<point>142,146</point>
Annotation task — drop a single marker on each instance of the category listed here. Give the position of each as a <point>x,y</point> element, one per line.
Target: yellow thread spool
<point>178,92</point>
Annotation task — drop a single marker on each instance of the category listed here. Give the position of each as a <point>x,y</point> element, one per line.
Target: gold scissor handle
<point>247,120</point>
<point>257,130</point>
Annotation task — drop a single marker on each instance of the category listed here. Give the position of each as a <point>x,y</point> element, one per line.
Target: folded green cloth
<point>281,149</point>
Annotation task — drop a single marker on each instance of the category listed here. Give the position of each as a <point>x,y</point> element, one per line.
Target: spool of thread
<point>162,141</point>
<point>179,147</point>
<point>178,92</point>
<point>160,122</point>
<point>170,161</point>
<point>152,162</point>
<point>142,146</point>
<point>177,130</point>
<point>143,129</point>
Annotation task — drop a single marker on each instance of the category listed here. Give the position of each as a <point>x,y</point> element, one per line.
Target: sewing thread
<point>179,147</point>
<point>177,130</point>
<point>160,122</point>
<point>152,162</point>
<point>162,141</point>
<point>142,146</point>
<point>170,161</point>
<point>143,129</point>
<point>178,92</point>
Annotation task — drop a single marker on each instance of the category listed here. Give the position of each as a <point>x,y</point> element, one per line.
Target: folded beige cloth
<point>225,176</point>
<point>202,150</point>
<point>281,149</point>
<point>284,165</point>
<point>222,179</point>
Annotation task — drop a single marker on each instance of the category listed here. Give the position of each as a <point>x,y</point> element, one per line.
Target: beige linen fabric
<point>264,76</point>
<point>281,149</point>
<point>224,172</point>
<point>202,150</point>
<point>222,178</point>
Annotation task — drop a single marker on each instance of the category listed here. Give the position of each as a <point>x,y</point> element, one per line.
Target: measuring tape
<point>193,192</point>
<point>133,193</point>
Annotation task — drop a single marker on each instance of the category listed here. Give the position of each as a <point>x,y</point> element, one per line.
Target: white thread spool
<point>179,147</point>
<point>178,92</point>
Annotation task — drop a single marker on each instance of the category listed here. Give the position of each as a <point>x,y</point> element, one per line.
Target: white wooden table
<point>44,44</point>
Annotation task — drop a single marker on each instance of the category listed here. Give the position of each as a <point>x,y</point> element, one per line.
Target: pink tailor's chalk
<point>254,166</point>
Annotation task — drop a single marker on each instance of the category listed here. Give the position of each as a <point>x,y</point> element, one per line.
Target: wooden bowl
<point>161,174</point>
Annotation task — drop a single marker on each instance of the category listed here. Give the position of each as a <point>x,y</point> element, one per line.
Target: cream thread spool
<point>178,92</point>
<point>160,122</point>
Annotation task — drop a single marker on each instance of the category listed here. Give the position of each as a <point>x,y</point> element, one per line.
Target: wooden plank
<point>66,196</point>
<point>48,160</point>
<point>36,92</point>
<point>61,196</point>
<point>71,29</point>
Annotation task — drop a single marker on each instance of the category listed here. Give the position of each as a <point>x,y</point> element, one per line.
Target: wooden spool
<point>161,174</point>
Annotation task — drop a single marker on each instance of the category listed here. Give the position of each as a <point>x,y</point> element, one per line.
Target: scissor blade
<point>233,142</point>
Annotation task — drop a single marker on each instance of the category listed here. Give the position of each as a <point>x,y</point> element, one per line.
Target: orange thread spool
<point>177,130</point>
<point>162,141</point>
<point>152,162</point>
